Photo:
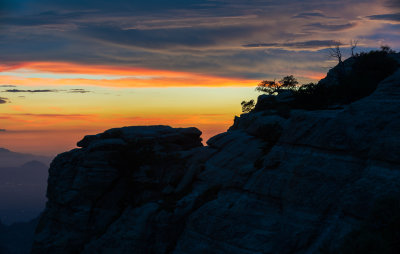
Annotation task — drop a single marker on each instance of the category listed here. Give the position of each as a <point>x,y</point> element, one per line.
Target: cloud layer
<point>75,90</point>
<point>223,38</point>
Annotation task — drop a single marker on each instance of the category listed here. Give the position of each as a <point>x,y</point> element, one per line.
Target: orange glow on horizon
<point>316,76</point>
<point>120,76</point>
<point>53,141</point>
<point>52,119</point>
<point>56,122</point>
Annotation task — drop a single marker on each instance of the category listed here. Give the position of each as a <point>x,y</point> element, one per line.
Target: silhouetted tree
<point>267,86</point>
<point>247,106</point>
<point>274,88</point>
<point>353,45</point>
<point>288,82</point>
<point>335,52</point>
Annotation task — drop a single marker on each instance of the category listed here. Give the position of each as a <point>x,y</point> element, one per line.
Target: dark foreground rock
<point>271,184</point>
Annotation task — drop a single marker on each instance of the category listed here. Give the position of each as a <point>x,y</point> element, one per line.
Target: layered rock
<point>273,183</point>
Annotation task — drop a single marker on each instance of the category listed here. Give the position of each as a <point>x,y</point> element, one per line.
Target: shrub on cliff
<point>247,106</point>
<point>312,96</point>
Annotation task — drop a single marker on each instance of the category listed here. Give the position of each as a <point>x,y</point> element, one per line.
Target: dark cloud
<point>388,17</point>
<point>4,100</point>
<point>31,91</point>
<point>329,27</point>
<point>7,86</point>
<point>309,14</point>
<point>135,6</point>
<point>315,44</point>
<point>393,3</point>
<point>386,34</point>
<point>79,91</point>
<point>169,38</point>
<point>2,130</point>
<point>75,90</point>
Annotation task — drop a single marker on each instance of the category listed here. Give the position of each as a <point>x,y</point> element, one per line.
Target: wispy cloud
<point>4,100</point>
<point>130,77</point>
<point>393,3</point>
<point>331,27</point>
<point>74,116</point>
<point>78,91</point>
<point>7,86</point>
<point>46,91</point>
<point>31,91</point>
<point>171,37</point>
<point>307,15</point>
<point>315,44</point>
<point>388,17</point>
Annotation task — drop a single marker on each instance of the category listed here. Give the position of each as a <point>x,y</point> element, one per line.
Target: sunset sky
<point>69,68</point>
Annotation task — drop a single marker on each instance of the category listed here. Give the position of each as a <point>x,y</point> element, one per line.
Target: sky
<point>69,68</point>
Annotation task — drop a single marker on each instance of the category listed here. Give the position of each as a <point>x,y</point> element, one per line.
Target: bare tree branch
<point>353,45</point>
<point>335,52</point>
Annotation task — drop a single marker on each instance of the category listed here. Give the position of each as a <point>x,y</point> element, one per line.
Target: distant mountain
<point>13,159</point>
<point>22,190</point>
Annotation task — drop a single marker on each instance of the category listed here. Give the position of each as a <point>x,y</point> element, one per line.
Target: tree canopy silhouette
<point>274,88</point>
<point>267,86</point>
<point>288,82</point>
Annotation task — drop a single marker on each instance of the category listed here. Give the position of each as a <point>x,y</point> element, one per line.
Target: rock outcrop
<point>271,184</point>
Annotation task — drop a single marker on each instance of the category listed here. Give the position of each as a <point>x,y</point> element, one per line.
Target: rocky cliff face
<point>298,183</point>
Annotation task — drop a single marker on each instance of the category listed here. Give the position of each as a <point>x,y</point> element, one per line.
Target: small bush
<point>311,96</point>
<point>247,106</point>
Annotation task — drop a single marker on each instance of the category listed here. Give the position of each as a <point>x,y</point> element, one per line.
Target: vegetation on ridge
<point>355,78</point>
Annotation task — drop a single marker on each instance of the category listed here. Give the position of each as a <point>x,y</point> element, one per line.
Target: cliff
<point>303,182</point>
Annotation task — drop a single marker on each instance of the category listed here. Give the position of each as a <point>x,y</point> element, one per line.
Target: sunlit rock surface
<point>271,184</point>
